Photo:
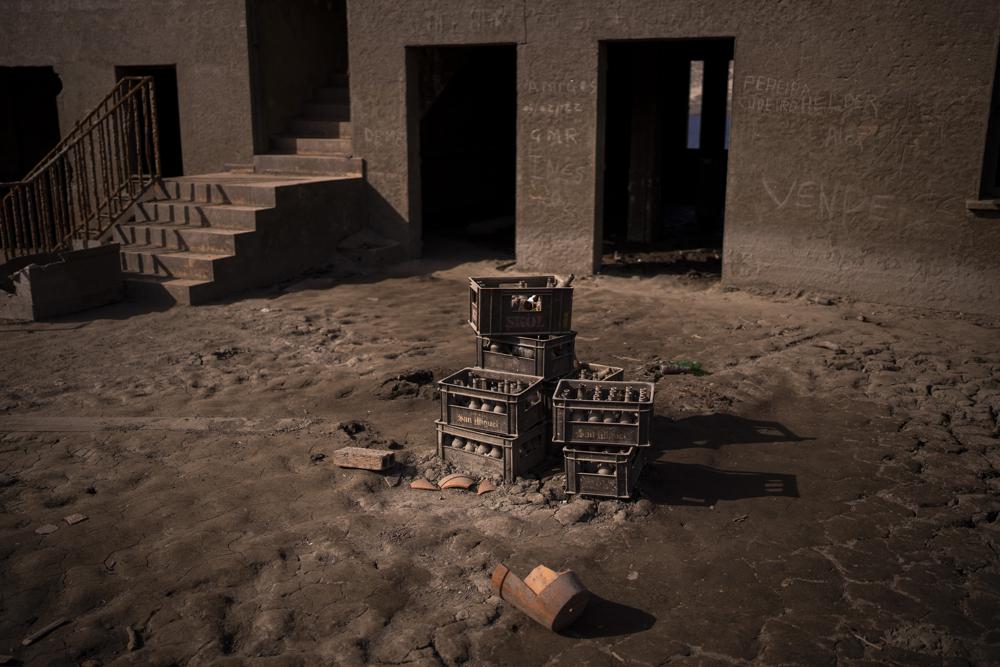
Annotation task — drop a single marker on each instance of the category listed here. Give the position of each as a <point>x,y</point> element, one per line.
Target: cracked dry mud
<point>828,493</point>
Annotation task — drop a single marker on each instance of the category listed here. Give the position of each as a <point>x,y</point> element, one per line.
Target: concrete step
<point>285,143</point>
<point>327,110</point>
<point>334,165</point>
<point>198,214</point>
<point>311,127</point>
<point>247,194</point>
<point>170,263</point>
<point>341,94</point>
<point>176,236</point>
<point>159,289</point>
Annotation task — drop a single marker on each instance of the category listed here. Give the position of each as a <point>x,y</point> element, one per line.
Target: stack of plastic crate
<point>495,416</point>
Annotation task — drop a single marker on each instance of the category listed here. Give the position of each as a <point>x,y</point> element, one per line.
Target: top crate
<point>519,306</point>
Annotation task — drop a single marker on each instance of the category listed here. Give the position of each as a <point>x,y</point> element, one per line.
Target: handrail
<point>90,179</point>
<point>123,87</point>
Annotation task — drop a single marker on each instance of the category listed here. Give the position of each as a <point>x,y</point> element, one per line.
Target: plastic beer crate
<point>547,356</point>
<point>519,306</point>
<point>492,401</point>
<point>587,370</point>
<point>492,455</point>
<point>606,472</point>
<point>602,412</point>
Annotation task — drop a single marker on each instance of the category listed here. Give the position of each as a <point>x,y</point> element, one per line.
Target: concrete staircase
<point>296,207</point>
<point>203,237</point>
<point>318,141</point>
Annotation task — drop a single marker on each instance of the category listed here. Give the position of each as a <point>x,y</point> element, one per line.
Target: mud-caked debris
<point>414,383</point>
<point>452,643</point>
<point>365,459</point>
<point>456,481</point>
<point>44,631</point>
<point>133,640</point>
<point>575,511</point>
<point>226,353</point>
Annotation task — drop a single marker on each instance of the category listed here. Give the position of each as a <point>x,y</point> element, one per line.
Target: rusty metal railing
<point>90,179</point>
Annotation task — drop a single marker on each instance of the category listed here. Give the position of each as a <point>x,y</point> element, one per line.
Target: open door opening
<point>299,74</point>
<point>668,105</point>
<point>29,119</point>
<point>463,117</point>
<point>168,115</point>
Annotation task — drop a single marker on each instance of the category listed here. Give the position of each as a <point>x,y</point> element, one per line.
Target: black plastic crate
<point>546,356</point>
<point>492,401</point>
<point>519,306</point>
<point>588,370</point>
<point>492,455</point>
<point>596,372</point>
<point>606,472</point>
<point>602,413</point>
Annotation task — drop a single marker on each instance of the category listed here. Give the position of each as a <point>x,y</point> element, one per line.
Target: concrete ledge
<point>44,286</point>
<point>984,208</point>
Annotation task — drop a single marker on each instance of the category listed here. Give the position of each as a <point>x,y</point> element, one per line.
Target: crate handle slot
<point>522,304</point>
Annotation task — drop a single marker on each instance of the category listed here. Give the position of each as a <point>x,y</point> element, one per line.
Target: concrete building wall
<point>85,40</point>
<point>378,34</point>
<point>858,133</point>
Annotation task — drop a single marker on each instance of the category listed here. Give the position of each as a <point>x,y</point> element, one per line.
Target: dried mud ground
<point>827,493</point>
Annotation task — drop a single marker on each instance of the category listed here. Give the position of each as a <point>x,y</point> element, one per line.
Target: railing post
<point>156,127</point>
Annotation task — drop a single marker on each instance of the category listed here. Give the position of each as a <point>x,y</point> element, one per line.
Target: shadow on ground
<point>687,484</point>
<point>717,430</point>
<point>690,484</point>
<point>605,618</point>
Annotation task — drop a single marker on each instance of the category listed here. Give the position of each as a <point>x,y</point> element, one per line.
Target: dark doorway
<point>298,59</point>
<point>29,119</point>
<point>462,110</point>
<point>168,115</point>
<point>667,109</point>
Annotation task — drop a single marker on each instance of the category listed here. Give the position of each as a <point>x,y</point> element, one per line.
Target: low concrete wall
<point>60,283</point>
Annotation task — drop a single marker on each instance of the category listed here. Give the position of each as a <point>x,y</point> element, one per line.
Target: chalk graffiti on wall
<point>772,95</point>
<point>378,138</point>
<point>846,203</point>
<point>553,109</point>
<point>850,135</point>
<point>564,87</point>
<point>559,98</point>
<point>554,135</point>
<point>555,170</point>
<point>472,19</point>
<point>551,182</point>
<point>558,153</point>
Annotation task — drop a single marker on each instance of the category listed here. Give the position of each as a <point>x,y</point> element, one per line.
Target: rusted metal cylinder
<point>554,600</point>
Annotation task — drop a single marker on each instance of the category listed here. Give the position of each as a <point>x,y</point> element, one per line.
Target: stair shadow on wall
<point>689,484</point>
<point>717,430</point>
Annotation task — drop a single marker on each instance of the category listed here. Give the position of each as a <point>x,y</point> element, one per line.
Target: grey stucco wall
<point>85,39</point>
<point>858,133</point>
